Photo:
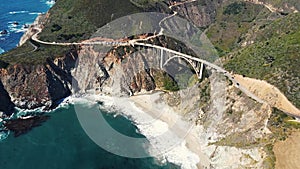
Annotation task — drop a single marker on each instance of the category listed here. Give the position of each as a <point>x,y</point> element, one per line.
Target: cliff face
<point>6,105</point>
<point>32,86</point>
<point>201,13</point>
<point>120,71</point>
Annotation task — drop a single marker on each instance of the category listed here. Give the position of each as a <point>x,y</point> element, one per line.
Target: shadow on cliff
<point>6,105</point>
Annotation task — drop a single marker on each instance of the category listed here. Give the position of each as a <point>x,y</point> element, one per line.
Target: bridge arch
<point>184,58</point>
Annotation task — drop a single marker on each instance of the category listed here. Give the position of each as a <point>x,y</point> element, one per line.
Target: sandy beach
<point>151,104</point>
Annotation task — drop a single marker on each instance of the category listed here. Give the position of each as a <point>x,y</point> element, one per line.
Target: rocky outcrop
<point>115,73</point>
<point>21,126</point>
<point>201,13</point>
<point>33,86</point>
<point>6,105</point>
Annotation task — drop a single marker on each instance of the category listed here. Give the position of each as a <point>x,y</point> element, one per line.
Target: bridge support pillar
<point>201,71</point>
<point>161,58</point>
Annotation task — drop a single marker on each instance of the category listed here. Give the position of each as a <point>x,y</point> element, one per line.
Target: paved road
<point>106,43</point>
<point>135,42</point>
<point>216,67</point>
<point>138,42</point>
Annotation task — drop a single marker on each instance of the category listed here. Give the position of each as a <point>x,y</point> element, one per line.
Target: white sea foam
<point>26,112</point>
<point>3,135</point>
<point>169,148</point>
<point>2,50</point>
<point>147,125</point>
<point>17,12</point>
<point>35,13</point>
<point>50,3</point>
<point>16,28</point>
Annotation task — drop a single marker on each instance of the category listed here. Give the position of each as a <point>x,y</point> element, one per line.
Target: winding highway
<point>142,42</point>
<point>135,42</point>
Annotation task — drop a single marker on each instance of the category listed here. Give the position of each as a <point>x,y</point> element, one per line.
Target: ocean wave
<point>147,125</point>
<point>13,24</point>
<point>4,135</point>
<point>173,149</point>
<point>28,112</point>
<point>2,50</point>
<point>35,13</point>
<point>17,12</point>
<point>25,113</point>
<point>50,3</point>
<point>16,28</point>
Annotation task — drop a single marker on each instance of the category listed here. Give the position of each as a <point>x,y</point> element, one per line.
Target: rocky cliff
<point>33,86</point>
<point>237,128</point>
<point>6,105</point>
<point>122,70</point>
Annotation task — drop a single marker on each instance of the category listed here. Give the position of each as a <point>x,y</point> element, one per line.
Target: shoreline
<point>166,132</point>
<point>38,22</point>
<point>30,31</point>
<point>172,138</point>
<point>191,138</point>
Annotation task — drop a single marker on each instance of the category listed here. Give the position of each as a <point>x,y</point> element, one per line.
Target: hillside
<point>273,57</point>
<point>251,40</point>
<point>72,21</point>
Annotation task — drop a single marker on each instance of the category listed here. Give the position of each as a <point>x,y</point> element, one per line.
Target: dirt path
<point>270,7</point>
<point>287,152</point>
<point>269,94</point>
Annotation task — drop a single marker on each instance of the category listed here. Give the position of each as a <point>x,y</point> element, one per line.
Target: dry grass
<point>287,152</point>
<point>269,94</point>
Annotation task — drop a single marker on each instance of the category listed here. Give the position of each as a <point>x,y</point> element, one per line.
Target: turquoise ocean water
<point>22,12</point>
<point>61,143</point>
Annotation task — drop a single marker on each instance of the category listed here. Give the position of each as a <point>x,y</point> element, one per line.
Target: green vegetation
<point>281,125</point>
<point>164,80</point>
<point>269,161</point>
<point>204,93</point>
<point>232,21</point>
<point>69,21</point>
<point>236,18</point>
<point>170,84</point>
<point>185,79</point>
<point>235,8</point>
<point>25,54</point>
<point>274,58</point>
<point>145,3</point>
<point>75,20</point>
<point>236,140</point>
<point>279,27</point>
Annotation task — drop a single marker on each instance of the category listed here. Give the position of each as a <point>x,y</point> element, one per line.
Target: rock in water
<point>21,126</point>
<point>4,32</point>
